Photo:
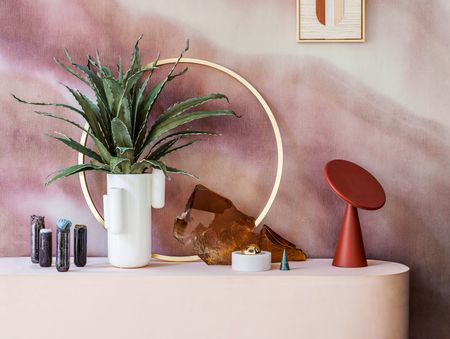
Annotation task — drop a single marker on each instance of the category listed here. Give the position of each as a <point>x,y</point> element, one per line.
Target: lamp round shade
<point>354,184</point>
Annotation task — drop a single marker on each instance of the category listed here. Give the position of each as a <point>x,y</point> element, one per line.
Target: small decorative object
<point>37,223</point>
<point>45,247</point>
<point>251,249</point>
<point>80,245</point>
<point>330,21</point>
<point>63,245</point>
<point>129,140</point>
<point>219,228</point>
<point>359,189</point>
<point>251,259</point>
<point>284,266</point>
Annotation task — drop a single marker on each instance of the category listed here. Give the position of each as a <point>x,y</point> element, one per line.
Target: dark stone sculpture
<point>63,245</point>
<point>218,228</point>
<point>45,247</point>
<point>80,245</point>
<point>37,223</point>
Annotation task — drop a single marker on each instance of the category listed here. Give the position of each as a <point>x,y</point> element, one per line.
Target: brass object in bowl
<point>251,249</point>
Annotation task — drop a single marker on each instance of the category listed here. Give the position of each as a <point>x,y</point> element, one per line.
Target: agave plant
<point>125,141</point>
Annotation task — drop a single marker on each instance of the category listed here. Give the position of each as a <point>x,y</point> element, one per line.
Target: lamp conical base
<point>350,247</point>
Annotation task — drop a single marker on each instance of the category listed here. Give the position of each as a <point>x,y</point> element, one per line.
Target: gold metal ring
<point>276,131</point>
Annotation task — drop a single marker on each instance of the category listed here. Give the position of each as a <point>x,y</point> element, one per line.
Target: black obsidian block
<point>45,247</point>
<point>37,223</point>
<point>80,245</point>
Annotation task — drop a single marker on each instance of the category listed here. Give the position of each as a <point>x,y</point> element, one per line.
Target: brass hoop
<point>276,131</point>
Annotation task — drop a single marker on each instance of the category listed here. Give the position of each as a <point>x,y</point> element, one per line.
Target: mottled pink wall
<point>383,104</point>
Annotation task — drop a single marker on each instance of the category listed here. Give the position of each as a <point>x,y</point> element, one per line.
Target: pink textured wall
<point>383,104</point>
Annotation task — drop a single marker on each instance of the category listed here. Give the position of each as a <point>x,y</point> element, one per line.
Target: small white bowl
<point>251,262</point>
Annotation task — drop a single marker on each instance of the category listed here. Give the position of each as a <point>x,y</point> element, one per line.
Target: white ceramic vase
<point>127,214</point>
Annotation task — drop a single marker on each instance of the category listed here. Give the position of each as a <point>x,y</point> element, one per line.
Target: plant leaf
<point>115,164</point>
<point>47,104</point>
<point>125,114</point>
<point>113,91</point>
<point>94,79</point>
<point>150,100</point>
<point>143,165</point>
<point>73,170</point>
<point>161,150</point>
<point>140,94</point>
<point>102,71</point>
<point>71,71</point>
<point>178,171</point>
<point>139,167</point>
<point>183,106</point>
<point>135,61</point>
<point>125,152</point>
<point>97,85</point>
<point>157,164</point>
<point>137,102</point>
<point>91,114</point>
<point>53,116</point>
<point>171,123</point>
<point>183,134</point>
<point>178,148</point>
<point>120,70</point>
<point>77,146</point>
<point>120,133</point>
<point>104,153</point>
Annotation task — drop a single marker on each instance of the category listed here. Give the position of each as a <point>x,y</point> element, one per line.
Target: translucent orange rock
<point>216,228</point>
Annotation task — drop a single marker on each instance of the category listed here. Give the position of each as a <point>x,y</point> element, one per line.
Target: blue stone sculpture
<point>63,245</point>
<point>284,266</point>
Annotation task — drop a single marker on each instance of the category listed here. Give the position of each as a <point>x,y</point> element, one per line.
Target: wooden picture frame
<point>316,21</point>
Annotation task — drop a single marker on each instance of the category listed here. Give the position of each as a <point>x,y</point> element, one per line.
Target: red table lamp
<point>359,189</point>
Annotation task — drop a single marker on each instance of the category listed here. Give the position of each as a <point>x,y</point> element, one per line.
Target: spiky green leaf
<point>73,170</point>
<point>77,146</point>
<point>178,171</point>
<point>71,71</point>
<point>174,122</point>
<point>91,114</point>
<point>182,134</point>
<point>174,149</point>
<point>125,113</point>
<point>190,103</point>
<point>142,118</point>
<point>143,165</point>
<point>47,104</point>
<point>119,165</point>
<point>125,152</point>
<point>161,150</point>
<point>104,153</point>
<point>120,133</point>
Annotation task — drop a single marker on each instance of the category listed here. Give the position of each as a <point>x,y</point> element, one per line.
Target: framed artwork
<point>330,21</point>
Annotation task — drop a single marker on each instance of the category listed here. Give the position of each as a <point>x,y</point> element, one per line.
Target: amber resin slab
<point>216,228</point>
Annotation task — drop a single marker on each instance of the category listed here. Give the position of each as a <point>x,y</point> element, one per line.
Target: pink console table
<point>313,300</point>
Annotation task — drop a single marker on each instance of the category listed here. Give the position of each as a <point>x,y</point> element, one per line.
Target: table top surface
<point>99,266</point>
<point>354,184</point>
